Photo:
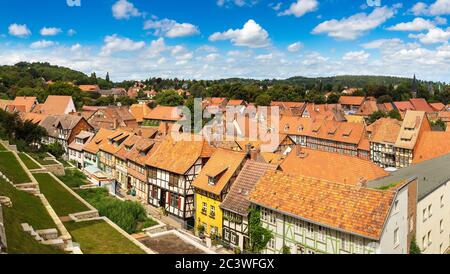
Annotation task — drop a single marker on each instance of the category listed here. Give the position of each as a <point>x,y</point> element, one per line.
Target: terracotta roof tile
<point>432,144</point>
<point>330,166</point>
<point>99,138</point>
<point>351,100</point>
<point>385,130</point>
<point>356,210</point>
<point>163,113</point>
<point>222,161</point>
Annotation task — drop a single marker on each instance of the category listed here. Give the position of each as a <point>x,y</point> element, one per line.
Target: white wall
<point>432,224</point>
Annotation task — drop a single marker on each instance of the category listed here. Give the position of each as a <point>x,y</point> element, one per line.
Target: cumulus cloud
<point>356,25</point>
<point>440,7</point>
<point>252,35</point>
<point>50,31</point>
<point>19,30</point>
<point>417,24</point>
<point>211,57</point>
<point>356,56</point>
<point>436,35</point>
<point>123,9</point>
<point>171,28</point>
<point>114,43</point>
<point>295,47</point>
<point>300,8</point>
<point>42,44</point>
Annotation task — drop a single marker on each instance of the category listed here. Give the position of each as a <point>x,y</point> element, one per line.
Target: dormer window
<point>215,175</point>
<point>212,181</point>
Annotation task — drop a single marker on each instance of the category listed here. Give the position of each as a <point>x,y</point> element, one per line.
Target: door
<point>162,200</point>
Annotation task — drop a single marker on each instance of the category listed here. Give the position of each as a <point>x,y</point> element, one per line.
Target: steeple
<point>414,87</point>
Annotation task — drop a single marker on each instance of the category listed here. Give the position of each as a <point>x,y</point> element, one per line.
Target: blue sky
<point>211,39</point>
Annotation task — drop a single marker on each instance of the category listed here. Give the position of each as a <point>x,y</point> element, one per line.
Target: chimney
<point>362,182</point>
<point>254,154</point>
<point>248,149</point>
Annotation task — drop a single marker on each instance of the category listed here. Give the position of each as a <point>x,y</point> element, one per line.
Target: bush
<point>130,216</point>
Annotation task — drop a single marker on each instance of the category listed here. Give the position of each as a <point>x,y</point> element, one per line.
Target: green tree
<point>169,98</point>
<point>377,115</point>
<point>384,99</point>
<point>259,236</point>
<point>263,100</point>
<point>107,77</point>
<point>414,248</point>
<point>395,114</point>
<point>333,98</point>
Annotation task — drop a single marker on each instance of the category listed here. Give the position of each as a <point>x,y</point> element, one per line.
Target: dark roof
<point>430,174</point>
<point>68,122</point>
<point>237,199</point>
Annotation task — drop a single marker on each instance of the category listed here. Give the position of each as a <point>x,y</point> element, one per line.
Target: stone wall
<point>57,169</point>
<point>2,232</point>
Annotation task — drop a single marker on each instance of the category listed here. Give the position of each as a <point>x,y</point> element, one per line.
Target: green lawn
<point>10,166</point>
<point>29,209</point>
<point>62,201</point>
<point>98,237</point>
<point>74,178</point>
<point>2,147</point>
<point>28,162</point>
<point>40,158</point>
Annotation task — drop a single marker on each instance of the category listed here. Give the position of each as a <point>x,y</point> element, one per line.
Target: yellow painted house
<point>211,187</point>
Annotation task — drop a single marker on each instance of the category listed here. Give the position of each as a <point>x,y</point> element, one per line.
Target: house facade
<point>342,224</point>
<point>76,148</point>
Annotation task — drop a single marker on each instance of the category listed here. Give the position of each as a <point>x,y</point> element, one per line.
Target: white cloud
<point>19,30</point>
<point>264,57</point>
<point>300,8</point>
<point>75,47</point>
<point>171,28</point>
<point>417,24</point>
<point>436,35</point>
<point>357,56</point>
<point>440,20</point>
<point>207,48</point>
<point>276,6</point>
<point>356,25</point>
<point>123,9</point>
<point>211,57</point>
<point>114,43</point>
<point>50,31</point>
<point>42,44</point>
<point>252,35</point>
<point>295,47</point>
<point>440,7</point>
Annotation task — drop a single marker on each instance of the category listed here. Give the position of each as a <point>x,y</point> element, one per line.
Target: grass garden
<point>74,178</point>
<point>29,209</point>
<point>62,201</point>
<point>98,237</point>
<point>130,216</point>
<point>29,163</point>
<point>2,147</point>
<point>10,166</point>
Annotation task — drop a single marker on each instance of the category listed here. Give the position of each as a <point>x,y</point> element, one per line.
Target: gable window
<point>212,212</point>
<point>204,208</point>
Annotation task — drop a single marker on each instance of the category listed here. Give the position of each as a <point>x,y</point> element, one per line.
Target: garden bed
<point>28,161</point>
<point>130,216</point>
<point>29,209</point>
<point>10,166</point>
<point>74,178</point>
<point>98,237</point>
<point>62,201</point>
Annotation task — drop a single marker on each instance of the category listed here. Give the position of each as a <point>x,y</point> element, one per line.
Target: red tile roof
<point>351,100</point>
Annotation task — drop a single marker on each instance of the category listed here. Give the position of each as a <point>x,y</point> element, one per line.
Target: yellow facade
<point>211,218</point>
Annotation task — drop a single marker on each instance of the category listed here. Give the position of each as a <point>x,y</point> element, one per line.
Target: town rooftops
<point>410,130</point>
<point>385,130</point>
<point>421,104</point>
<point>342,207</point>
<point>237,199</point>
<point>139,111</point>
<point>140,150</point>
<point>115,141</point>
<point>218,171</point>
<point>35,118</point>
<point>404,106</point>
<point>367,108</point>
<point>89,87</point>
<point>295,125</point>
<point>56,105</point>
<point>352,100</point>
<point>83,135</point>
<point>431,174</point>
<point>99,138</point>
<point>67,122</point>
<point>330,166</point>
<point>324,112</point>
<point>438,106</point>
<point>344,132</point>
<point>432,144</point>
<point>178,156</point>
<point>163,113</point>
<point>235,103</point>
<point>27,102</point>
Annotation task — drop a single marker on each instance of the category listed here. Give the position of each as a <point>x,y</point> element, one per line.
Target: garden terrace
<point>41,159</point>
<point>130,216</point>
<point>2,147</point>
<point>11,168</point>
<point>170,244</point>
<point>62,201</point>
<point>29,163</point>
<point>98,237</point>
<point>29,209</point>
<point>74,178</point>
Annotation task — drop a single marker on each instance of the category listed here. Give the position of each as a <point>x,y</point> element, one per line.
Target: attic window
<point>347,132</point>
<point>316,128</point>
<point>332,131</point>
<point>212,181</point>
<point>407,136</point>
<point>300,128</point>
<point>286,127</point>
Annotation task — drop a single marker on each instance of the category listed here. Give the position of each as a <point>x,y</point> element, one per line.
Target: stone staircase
<point>45,236</point>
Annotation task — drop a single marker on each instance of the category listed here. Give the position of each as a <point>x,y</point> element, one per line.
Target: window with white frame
<point>226,234</point>
<point>271,244</point>
<point>396,237</point>
<point>424,242</point>
<point>297,226</point>
<point>310,230</point>
<point>322,234</point>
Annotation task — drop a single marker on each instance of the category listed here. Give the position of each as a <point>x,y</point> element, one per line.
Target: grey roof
<point>431,175</point>
<point>237,199</point>
<point>50,123</point>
